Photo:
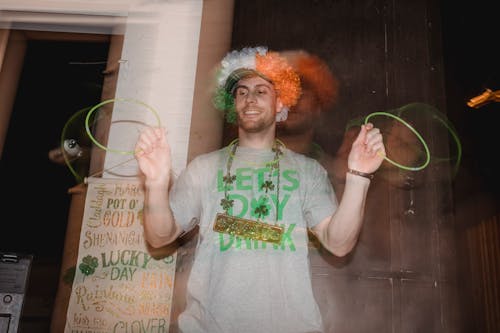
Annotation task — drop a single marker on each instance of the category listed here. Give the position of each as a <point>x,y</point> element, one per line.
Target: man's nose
<point>252,96</point>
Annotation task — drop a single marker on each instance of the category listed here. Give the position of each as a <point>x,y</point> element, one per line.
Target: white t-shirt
<point>243,285</point>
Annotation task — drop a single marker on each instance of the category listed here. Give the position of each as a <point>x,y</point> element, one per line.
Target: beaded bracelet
<point>359,173</point>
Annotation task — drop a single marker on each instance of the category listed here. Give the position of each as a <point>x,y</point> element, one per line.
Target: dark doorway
<point>58,79</point>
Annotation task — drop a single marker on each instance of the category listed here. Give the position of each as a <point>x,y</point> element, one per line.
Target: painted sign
<point>118,285</point>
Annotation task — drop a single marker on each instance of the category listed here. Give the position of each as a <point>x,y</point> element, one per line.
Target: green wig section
<point>224,101</point>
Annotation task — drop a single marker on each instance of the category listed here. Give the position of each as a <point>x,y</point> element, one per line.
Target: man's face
<point>256,104</point>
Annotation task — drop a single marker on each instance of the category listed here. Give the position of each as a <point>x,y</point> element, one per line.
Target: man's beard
<point>252,125</point>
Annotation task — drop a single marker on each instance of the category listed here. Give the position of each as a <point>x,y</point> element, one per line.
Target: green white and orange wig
<point>254,61</point>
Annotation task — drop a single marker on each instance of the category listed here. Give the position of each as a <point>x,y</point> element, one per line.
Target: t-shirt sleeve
<point>185,200</point>
<point>320,200</point>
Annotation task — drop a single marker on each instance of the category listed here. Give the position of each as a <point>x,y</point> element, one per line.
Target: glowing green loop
<point>457,141</point>
<point>448,125</point>
<point>404,167</point>
<point>98,144</point>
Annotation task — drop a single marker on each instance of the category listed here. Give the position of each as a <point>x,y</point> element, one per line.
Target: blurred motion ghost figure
<point>319,95</point>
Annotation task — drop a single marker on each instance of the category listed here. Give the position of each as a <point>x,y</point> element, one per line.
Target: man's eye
<point>241,92</point>
<point>262,92</point>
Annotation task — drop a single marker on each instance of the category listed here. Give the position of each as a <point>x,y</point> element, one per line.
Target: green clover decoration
<point>88,265</point>
<point>229,179</point>
<point>260,207</point>
<point>226,203</point>
<point>267,186</point>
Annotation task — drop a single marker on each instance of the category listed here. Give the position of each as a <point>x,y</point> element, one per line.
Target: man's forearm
<point>159,224</point>
<point>342,230</point>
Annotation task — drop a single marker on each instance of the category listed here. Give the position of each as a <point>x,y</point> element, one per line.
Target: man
<point>254,202</point>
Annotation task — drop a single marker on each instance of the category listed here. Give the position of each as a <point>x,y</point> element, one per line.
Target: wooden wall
<point>483,247</point>
<point>386,54</point>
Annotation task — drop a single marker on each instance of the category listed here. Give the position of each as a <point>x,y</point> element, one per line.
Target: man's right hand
<point>153,155</point>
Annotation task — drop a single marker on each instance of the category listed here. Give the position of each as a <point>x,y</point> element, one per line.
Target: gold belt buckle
<point>245,228</point>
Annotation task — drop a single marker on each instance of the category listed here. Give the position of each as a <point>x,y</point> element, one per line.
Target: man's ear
<point>281,111</point>
<point>279,105</point>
